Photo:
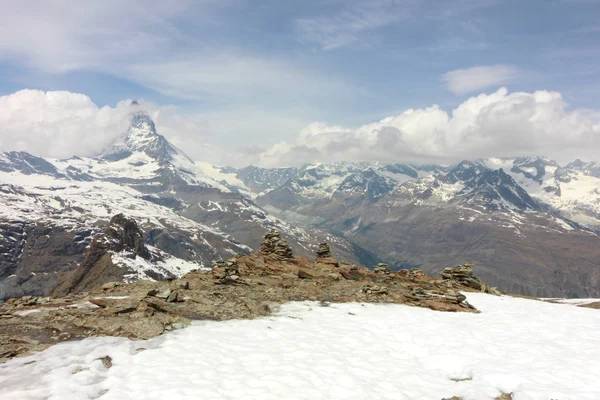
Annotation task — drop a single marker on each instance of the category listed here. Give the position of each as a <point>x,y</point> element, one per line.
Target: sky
<point>284,82</point>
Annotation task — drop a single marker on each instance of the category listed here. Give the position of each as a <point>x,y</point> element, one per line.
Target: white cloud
<point>61,124</point>
<point>58,124</point>
<point>462,81</point>
<point>497,124</point>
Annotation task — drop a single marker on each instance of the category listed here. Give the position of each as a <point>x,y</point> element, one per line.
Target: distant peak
<point>142,137</point>
<point>134,103</point>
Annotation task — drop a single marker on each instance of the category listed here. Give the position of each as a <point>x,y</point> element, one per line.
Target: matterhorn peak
<point>142,137</point>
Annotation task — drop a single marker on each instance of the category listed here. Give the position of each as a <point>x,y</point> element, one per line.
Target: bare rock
<point>381,268</point>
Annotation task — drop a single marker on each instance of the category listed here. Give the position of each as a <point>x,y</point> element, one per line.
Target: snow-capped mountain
<point>572,190</point>
<point>436,216</point>
<point>530,222</point>
<point>52,209</point>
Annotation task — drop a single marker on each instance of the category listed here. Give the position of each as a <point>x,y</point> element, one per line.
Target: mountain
<point>531,224</point>
<point>52,210</point>
<point>572,190</point>
<point>433,217</point>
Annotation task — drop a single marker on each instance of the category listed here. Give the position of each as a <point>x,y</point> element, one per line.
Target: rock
<point>374,289</point>
<point>335,276</point>
<point>106,361</point>
<point>175,297</point>
<point>110,285</point>
<point>274,245</point>
<point>227,272</point>
<point>178,325</point>
<point>415,273</point>
<point>182,284</point>
<point>381,268</point>
<point>303,274</point>
<point>163,294</point>
<point>102,303</point>
<point>328,261</point>
<point>42,300</point>
<point>463,275</point>
<point>323,251</point>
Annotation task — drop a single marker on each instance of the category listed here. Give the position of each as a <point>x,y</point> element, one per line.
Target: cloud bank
<point>62,124</point>
<point>497,124</point>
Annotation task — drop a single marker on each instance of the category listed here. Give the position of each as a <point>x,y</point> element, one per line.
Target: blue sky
<point>280,65</point>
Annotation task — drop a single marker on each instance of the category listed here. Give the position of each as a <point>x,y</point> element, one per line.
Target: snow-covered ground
<point>534,349</point>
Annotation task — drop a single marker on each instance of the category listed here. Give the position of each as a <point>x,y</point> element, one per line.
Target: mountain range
<point>530,224</point>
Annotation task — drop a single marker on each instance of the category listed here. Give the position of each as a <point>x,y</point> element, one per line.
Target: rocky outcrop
<point>275,246</point>
<point>122,236</point>
<point>246,286</point>
<point>34,256</point>
<point>463,275</point>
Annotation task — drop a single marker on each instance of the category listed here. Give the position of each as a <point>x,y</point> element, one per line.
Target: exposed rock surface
<point>121,236</point>
<point>244,287</point>
<point>381,268</point>
<point>463,275</point>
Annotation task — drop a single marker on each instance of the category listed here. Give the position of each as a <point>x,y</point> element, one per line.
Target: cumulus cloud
<point>62,124</point>
<point>462,81</point>
<point>497,124</point>
<point>58,124</point>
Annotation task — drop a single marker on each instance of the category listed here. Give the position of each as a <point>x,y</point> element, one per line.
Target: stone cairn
<point>227,272</point>
<point>382,268</point>
<point>274,245</point>
<point>323,251</point>
<point>463,275</point>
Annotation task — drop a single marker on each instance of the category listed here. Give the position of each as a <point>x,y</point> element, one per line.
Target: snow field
<point>537,350</point>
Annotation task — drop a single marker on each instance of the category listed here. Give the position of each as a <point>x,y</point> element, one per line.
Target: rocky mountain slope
<point>52,210</point>
<point>144,309</point>
<point>530,223</point>
<point>508,215</point>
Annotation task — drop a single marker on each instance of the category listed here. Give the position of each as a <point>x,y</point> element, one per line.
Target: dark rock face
<point>26,164</point>
<point>124,234</point>
<point>492,187</point>
<point>367,183</point>
<point>97,268</point>
<point>261,179</point>
<point>523,165</point>
<point>33,257</point>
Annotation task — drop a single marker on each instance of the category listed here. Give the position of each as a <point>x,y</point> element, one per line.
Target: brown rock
<point>175,297</point>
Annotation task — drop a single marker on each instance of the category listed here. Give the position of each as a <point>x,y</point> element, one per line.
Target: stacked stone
<point>323,251</point>
<point>382,268</point>
<point>227,272</point>
<point>463,275</point>
<point>415,272</point>
<point>274,245</point>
